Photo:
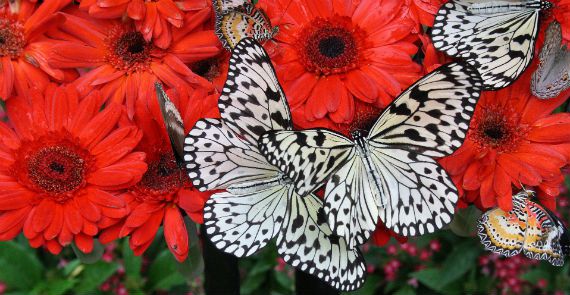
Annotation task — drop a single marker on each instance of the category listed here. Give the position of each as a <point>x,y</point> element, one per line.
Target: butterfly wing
<point>252,101</point>
<point>173,122</point>
<point>420,196</point>
<point>504,232</point>
<point>308,244</point>
<point>552,75</point>
<point>216,158</point>
<point>543,234</point>
<point>500,45</point>
<point>243,224</point>
<point>433,115</point>
<point>351,203</point>
<point>307,157</point>
<point>223,6</point>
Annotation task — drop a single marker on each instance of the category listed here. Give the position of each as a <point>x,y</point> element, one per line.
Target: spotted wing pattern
<point>252,101</point>
<point>499,44</point>
<point>243,21</point>
<point>322,253</point>
<point>553,73</point>
<point>307,157</point>
<point>528,227</point>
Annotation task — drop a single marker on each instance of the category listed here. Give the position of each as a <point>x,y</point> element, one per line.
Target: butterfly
<point>551,76</point>
<point>391,173</point>
<point>528,227</point>
<point>173,123</point>
<point>260,202</point>
<point>236,20</point>
<point>496,37</point>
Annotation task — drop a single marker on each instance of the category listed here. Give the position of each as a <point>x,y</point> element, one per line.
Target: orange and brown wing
<point>503,232</point>
<point>543,234</point>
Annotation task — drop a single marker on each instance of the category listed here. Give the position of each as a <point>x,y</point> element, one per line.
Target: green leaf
<point>370,286</point>
<point>59,286</point>
<point>459,262</point>
<point>532,276</point>
<point>464,222</point>
<point>163,272</point>
<point>406,290</point>
<point>284,280</point>
<point>131,262</point>
<point>252,282</point>
<point>71,268</point>
<point>93,275</point>
<point>89,258</point>
<point>431,277</point>
<point>20,268</point>
<point>193,266</point>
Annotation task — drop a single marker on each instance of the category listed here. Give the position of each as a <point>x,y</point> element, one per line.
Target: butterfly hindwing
<point>307,157</point>
<point>321,253</point>
<point>243,224</point>
<point>500,44</point>
<point>552,75</point>
<point>420,196</point>
<point>216,158</point>
<point>542,238</point>
<point>252,101</point>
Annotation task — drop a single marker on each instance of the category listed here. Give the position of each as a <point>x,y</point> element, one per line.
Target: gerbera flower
<point>153,19</point>
<point>165,189</point>
<point>24,48</point>
<point>424,11</point>
<point>124,65</point>
<point>334,52</point>
<point>214,69</point>
<point>61,165</point>
<point>513,140</point>
<point>561,13</point>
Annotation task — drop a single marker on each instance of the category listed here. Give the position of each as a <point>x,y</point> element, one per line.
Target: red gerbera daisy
<point>165,189</point>
<point>561,13</point>
<point>61,165</point>
<point>153,19</point>
<point>513,139</point>
<point>333,52</point>
<point>125,66</point>
<point>424,11</point>
<point>24,48</point>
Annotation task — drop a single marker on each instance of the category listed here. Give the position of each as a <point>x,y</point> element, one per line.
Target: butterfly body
<point>553,73</point>
<point>496,37</point>
<point>364,152</point>
<point>528,228</point>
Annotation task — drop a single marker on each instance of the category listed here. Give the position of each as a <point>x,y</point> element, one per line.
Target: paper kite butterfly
<point>236,20</point>
<point>528,227</point>
<point>553,73</point>
<point>391,173</point>
<point>260,202</point>
<point>496,37</point>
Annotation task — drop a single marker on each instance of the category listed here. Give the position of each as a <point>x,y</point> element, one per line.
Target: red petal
<point>105,199</point>
<point>146,233</point>
<point>73,219</point>
<point>84,243</point>
<point>175,233</point>
<point>88,209</point>
<point>57,223</point>
<point>43,215</point>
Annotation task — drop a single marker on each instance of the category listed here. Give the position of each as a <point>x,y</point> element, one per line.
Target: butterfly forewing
<point>499,43</point>
<point>433,115</point>
<point>307,157</point>
<point>173,122</point>
<point>216,158</point>
<point>322,254</point>
<point>252,101</point>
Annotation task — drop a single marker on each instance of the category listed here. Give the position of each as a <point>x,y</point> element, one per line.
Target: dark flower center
<point>208,68</point>
<point>12,39</point>
<point>162,179</point>
<point>496,129</point>
<point>330,46</point>
<point>128,50</point>
<point>56,170</point>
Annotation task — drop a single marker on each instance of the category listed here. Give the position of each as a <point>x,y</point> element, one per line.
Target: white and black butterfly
<point>552,75</point>
<point>497,37</point>
<point>260,202</point>
<point>528,228</point>
<point>391,173</point>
